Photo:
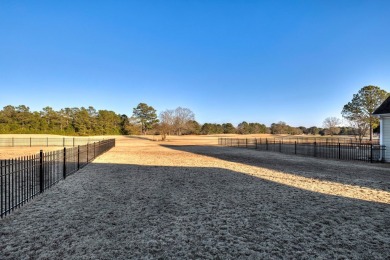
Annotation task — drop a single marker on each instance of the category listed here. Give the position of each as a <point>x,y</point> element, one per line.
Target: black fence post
<point>11,188</point>
<point>371,153</point>
<point>383,153</point>
<point>339,151</point>
<point>1,188</point>
<point>256,143</point>
<point>266,144</point>
<point>295,147</point>
<point>30,141</point>
<point>78,157</point>
<point>41,177</point>
<point>315,149</point>
<point>246,142</point>
<point>64,169</point>
<point>63,142</point>
<point>73,141</point>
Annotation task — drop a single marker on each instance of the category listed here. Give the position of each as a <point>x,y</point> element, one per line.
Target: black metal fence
<point>23,178</point>
<point>331,150</point>
<point>47,141</point>
<point>329,140</point>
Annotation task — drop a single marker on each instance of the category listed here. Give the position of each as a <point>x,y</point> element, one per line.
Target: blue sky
<point>228,61</point>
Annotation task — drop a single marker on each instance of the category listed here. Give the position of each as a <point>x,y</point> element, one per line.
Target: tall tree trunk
<point>371,132</point>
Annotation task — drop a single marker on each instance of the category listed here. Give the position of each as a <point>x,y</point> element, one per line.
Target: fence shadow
<point>345,172</point>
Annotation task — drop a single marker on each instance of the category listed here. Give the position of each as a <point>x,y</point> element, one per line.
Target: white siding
<point>386,136</point>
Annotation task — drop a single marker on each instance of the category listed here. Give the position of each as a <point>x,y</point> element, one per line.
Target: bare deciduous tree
<point>175,121</point>
<point>332,124</point>
<point>360,128</point>
<point>182,117</point>
<point>167,121</point>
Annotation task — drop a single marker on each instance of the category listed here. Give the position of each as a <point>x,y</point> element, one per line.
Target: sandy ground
<point>148,200</point>
<point>15,152</point>
<point>7,152</point>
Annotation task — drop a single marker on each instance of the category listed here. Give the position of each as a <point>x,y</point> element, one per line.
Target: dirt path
<point>148,199</point>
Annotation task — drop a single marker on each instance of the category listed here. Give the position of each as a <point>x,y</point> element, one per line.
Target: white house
<point>383,112</point>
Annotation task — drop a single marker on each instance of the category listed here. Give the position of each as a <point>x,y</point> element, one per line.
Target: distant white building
<point>383,112</point>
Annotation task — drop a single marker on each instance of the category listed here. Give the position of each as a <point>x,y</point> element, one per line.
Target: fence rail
<point>23,178</point>
<point>322,140</point>
<point>329,150</point>
<point>47,141</point>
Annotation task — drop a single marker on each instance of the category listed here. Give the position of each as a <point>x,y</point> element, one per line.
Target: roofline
<point>382,115</point>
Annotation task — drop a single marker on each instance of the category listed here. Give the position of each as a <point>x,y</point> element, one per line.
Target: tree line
<point>144,120</point>
<point>358,113</point>
<point>67,121</point>
<point>181,121</point>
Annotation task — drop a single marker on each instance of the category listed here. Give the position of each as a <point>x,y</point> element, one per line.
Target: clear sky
<point>228,61</point>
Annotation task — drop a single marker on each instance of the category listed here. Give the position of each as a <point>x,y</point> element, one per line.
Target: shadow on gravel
<point>374,176</point>
<point>127,211</point>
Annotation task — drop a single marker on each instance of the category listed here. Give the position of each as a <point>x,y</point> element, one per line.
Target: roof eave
<point>382,115</point>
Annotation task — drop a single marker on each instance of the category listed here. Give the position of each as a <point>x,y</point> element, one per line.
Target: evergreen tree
<point>146,116</point>
<point>359,110</point>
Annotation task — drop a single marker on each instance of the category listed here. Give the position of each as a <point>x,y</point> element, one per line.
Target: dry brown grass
<point>8,152</point>
<point>15,152</point>
<point>146,153</point>
<point>188,199</point>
